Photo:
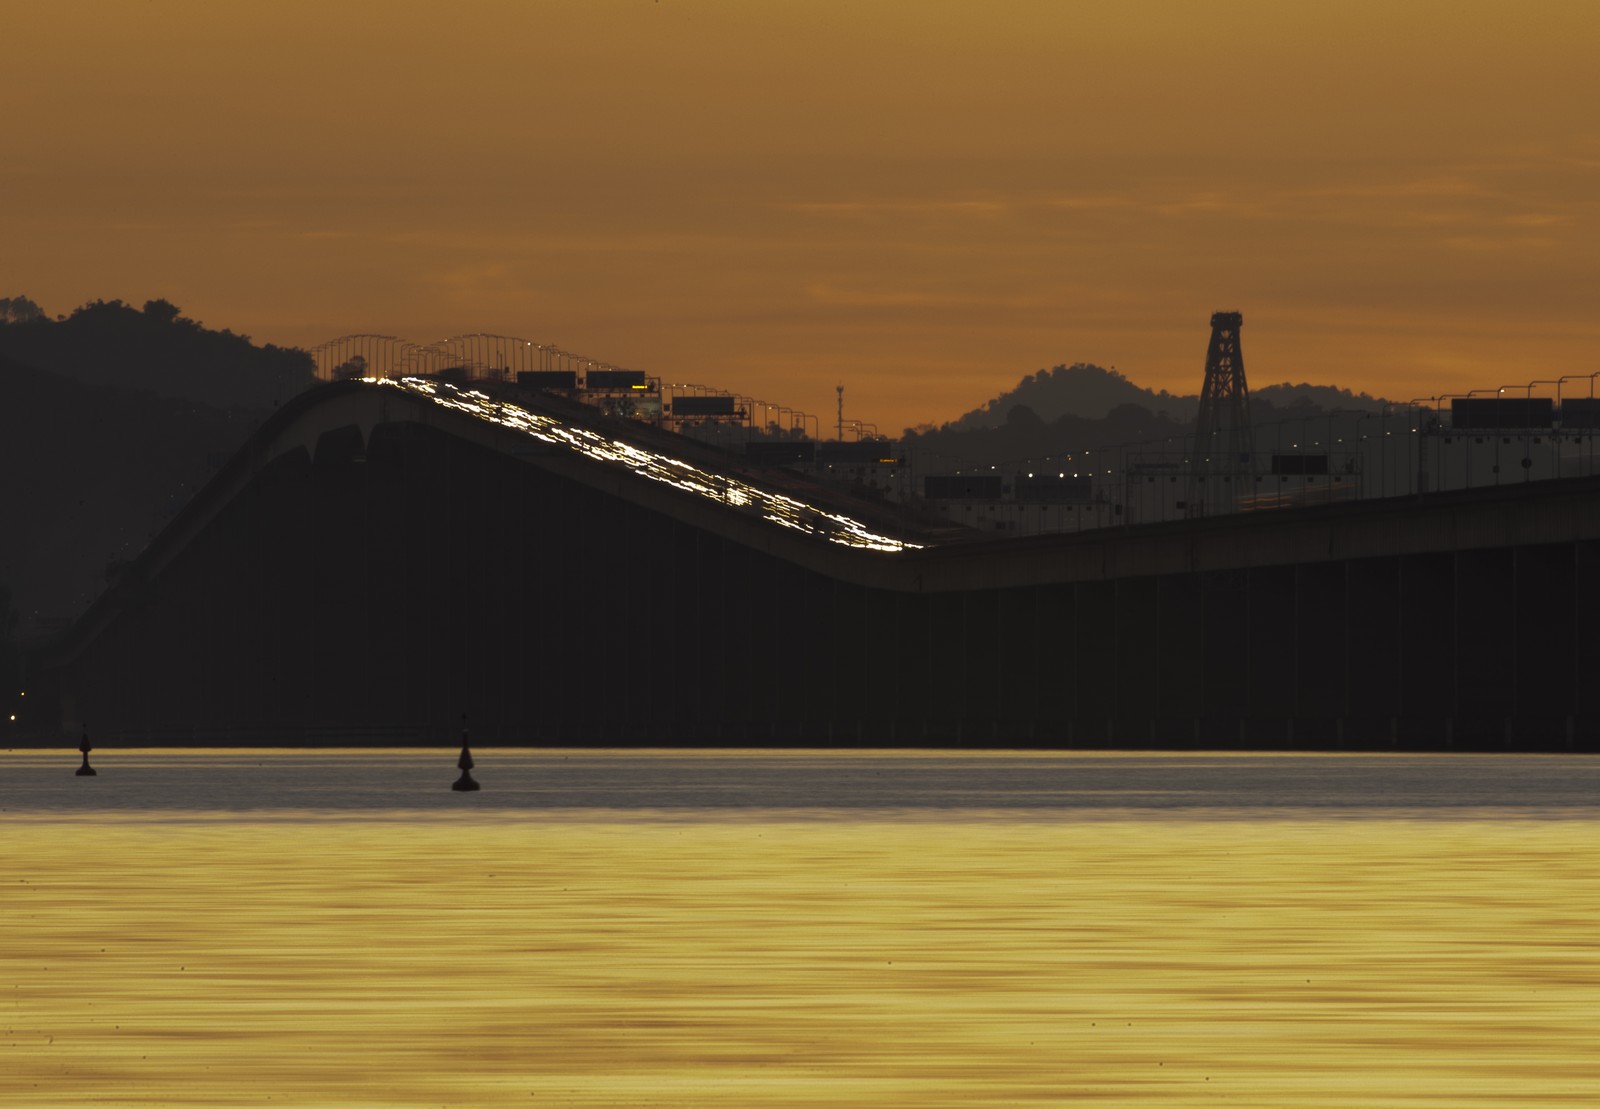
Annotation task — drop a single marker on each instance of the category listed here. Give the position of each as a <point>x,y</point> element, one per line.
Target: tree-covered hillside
<point>110,419</point>
<point>107,342</point>
<point>1085,407</point>
<point>1081,390</point>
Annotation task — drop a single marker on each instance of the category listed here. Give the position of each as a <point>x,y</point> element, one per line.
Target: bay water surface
<point>752,928</point>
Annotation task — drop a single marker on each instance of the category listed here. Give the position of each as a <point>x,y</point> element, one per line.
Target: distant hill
<point>110,419</point>
<point>1328,398</point>
<point>1092,392</point>
<point>108,342</point>
<point>1079,407</point>
<point>97,470</point>
<point>1082,390</point>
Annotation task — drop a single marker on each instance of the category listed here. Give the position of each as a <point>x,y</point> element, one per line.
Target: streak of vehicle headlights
<point>774,507</point>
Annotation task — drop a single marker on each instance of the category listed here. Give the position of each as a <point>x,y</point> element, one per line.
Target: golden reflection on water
<point>590,960</point>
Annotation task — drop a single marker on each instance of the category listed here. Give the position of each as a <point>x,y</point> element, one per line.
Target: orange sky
<point>923,200</point>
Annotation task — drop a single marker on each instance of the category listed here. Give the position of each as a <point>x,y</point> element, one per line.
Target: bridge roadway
<point>382,558</point>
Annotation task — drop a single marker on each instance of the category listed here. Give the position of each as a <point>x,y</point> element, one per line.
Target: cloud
<point>1098,202</point>
<point>968,209</point>
<point>1499,244</point>
<point>831,294</point>
<point>1428,188</point>
<point>1538,219</point>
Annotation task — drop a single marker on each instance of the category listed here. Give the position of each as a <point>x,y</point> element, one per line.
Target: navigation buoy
<point>465,782</point>
<point>85,771</point>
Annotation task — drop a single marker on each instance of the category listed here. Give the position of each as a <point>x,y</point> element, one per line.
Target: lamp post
<point>1438,423</point>
<point>1555,442</point>
<point>1417,430</point>
<point>746,413</point>
<point>1383,438</point>
<point>1586,438</point>
<point>1498,418</point>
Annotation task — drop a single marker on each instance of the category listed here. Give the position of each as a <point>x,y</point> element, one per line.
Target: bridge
<point>388,554</point>
<point>1511,434</point>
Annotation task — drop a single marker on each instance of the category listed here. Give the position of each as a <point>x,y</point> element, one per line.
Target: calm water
<point>784,929</point>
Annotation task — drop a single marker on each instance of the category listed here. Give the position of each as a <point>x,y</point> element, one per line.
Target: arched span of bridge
<point>381,558</point>
<point>479,356</point>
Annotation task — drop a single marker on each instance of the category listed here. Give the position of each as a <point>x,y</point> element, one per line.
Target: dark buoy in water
<point>465,782</point>
<point>85,771</point>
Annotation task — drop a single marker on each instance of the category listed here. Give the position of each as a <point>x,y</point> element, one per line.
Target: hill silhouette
<point>1087,407</point>
<point>112,418</point>
<point>1082,390</point>
<point>100,469</point>
<point>107,342</point>
<point>1092,392</point>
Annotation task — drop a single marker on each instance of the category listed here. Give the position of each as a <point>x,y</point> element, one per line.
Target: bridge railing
<point>485,357</point>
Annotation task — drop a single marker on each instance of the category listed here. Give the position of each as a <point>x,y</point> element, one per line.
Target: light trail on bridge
<point>729,491</point>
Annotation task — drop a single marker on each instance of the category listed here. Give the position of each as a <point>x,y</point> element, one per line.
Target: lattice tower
<point>1224,443</point>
